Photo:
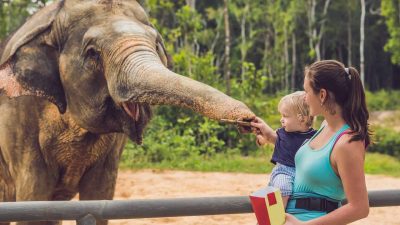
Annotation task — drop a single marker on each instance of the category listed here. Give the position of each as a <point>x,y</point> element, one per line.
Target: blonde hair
<point>296,104</point>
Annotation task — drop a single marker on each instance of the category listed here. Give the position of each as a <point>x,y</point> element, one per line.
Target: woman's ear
<point>323,94</point>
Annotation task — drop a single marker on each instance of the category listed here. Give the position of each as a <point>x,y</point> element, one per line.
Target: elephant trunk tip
<point>236,111</point>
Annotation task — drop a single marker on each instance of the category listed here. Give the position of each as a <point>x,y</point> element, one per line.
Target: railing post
<point>86,220</point>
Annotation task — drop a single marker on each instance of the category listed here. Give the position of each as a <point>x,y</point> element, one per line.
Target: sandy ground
<point>149,184</point>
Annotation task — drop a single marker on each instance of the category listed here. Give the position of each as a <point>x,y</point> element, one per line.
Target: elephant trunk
<point>147,80</point>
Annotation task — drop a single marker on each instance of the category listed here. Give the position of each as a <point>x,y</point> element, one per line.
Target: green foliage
<point>376,163</point>
<point>391,10</point>
<point>14,12</point>
<point>249,85</point>
<point>383,100</point>
<point>257,162</point>
<point>386,141</point>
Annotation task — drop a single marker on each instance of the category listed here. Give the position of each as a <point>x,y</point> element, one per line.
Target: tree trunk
<point>349,39</point>
<point>8,18</point>
<point>227,72</point>
<point>243,49</point>
<point>362,41</point>
<point>219,21</point>
<point>227,67</point>
<point>321,31</point>
<point>316,34</point>
<point>266,65</point>
<point>311,23</point>
<point>286,60</point>
<point>294,62</point>
<point>191,3</point>
<point>194,46</point>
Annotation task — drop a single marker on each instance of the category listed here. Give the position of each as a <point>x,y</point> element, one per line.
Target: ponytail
<point>355,111</point>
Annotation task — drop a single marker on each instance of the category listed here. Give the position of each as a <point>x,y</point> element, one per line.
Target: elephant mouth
<point>139,114</point>
<point>132,109</point>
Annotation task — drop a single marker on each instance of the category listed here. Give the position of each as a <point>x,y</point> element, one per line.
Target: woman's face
<point>312,99</point>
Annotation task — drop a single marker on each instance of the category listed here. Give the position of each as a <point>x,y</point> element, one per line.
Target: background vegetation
<point>256,51</point>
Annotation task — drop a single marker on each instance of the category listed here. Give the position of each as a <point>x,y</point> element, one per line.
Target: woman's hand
<point>291,220</point>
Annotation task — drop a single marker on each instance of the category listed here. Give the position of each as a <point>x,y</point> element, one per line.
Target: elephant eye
<point>92,54</point>
<point>92,59</point>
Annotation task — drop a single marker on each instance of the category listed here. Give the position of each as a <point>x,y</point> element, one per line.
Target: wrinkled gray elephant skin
<point>76,80</point>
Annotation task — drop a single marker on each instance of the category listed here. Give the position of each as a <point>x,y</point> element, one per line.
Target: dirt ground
<point>149,184</point>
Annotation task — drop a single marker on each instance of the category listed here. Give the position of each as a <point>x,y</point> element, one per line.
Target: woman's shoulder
<point>345,146</point>
<point>347,154</point>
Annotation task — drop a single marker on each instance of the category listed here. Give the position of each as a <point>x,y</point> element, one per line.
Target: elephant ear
<point>162,52</point>
<point>35,25</point>
<point>28,65</point>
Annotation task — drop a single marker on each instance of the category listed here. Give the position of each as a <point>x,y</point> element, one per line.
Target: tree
<point>362,36</point>
<point>391,11</point>
<point>14,12</point>
<point>316,27</point>
<point>227,68</point>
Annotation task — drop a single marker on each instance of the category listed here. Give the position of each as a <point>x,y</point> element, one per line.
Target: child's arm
<point>264,132</point>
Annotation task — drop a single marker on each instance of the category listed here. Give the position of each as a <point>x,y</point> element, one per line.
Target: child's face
<point>291,121</point>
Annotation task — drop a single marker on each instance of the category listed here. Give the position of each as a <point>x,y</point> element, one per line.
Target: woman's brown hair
<point>344,87</point>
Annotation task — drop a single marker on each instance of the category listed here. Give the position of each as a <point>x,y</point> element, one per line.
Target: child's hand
<point>260,125</point>
<point>263,132</point>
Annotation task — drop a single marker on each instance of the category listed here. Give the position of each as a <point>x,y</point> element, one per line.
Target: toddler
<point>296,129</point>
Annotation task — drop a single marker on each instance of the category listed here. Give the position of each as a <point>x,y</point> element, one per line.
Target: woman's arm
<point>348,161</point>
<point>265,133</point>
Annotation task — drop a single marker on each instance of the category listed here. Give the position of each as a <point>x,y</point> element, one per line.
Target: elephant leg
<point>34,182</point>
<point>7,188</point>
<point>47,195</point>
<point>99,182</point>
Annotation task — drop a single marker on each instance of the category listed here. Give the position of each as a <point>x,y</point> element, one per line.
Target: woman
<point>330,166</point>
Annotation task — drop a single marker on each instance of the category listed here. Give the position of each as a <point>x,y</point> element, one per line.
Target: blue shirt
<point>287,144</point>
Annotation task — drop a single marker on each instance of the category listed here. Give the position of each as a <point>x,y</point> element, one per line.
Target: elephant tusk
<point>132,109</point>
<point>137,114</point>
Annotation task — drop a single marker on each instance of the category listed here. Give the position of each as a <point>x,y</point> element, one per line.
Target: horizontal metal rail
<point>85,212</point>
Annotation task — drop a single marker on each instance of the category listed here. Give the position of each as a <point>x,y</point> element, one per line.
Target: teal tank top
<point>315,176</point>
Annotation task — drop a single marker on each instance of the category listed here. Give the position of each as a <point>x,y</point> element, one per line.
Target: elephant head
<point>105,64</point>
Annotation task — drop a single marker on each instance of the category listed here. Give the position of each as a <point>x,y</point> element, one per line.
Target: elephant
<point>77,80</point>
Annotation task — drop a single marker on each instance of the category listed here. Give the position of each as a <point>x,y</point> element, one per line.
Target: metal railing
<point>87,212</point>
